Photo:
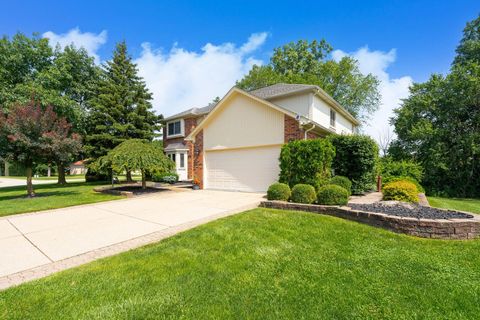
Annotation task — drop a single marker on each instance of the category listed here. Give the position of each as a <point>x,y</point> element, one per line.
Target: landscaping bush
<point>303,193</point>
<point>332,195</point>
<point>306,161</point>
<point>94,176</point>
<point>343,182</point>
<point>167,177</point>
<point>279,191</point>
<point>355,158</point>
<point>389,168</point>
<point>405,178</point>
<point>401,190</point>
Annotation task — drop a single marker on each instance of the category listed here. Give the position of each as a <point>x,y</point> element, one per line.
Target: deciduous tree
<point>29,134</point>
<point>311,63</point>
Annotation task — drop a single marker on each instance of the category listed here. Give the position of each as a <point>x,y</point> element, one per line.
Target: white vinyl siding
<point>321,115</point>
<point>244,122</point>
<point>248,170</point>
<point>299,104</point>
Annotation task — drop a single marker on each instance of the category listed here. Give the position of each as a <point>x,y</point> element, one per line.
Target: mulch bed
<point>411,211</point>
<point>137,190</point>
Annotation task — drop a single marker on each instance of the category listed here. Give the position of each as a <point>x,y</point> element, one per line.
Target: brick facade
<point>198,159</point>
<point>190,124</point>
<point>293,131</point>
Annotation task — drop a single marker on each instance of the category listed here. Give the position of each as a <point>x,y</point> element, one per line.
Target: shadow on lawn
<point>38,194</point>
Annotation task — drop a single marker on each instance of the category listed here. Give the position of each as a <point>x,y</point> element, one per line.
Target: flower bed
<point>445,228</point>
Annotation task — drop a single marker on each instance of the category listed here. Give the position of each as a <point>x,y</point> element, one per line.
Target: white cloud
<point>391,89</point>
<point>91,42</point>
<point>182,79</point>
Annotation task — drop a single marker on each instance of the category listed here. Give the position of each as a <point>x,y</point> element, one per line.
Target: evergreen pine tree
<point>121,108</point>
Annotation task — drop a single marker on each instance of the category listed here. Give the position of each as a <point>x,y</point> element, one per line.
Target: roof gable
<point>222,103</point>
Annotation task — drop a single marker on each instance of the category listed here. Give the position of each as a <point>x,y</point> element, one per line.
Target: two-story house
<point>235,143</point>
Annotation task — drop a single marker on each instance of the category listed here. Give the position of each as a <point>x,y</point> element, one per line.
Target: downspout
<point>306,131</point>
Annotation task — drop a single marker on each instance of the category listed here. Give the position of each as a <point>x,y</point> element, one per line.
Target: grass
<point>68,177</point>
<point>13,200</point>
<point>470,205</point>
<point>266,264</point>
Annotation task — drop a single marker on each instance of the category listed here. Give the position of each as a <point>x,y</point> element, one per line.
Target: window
<point>174,157</point>
<point>174,128</point>
<point>333,116</point>
<point>182,160</point>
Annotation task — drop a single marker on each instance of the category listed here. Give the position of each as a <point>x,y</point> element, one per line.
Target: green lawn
<point>266,264</point>
<point>68,177</point>
<point>470,205</point>
<point>13,200</point>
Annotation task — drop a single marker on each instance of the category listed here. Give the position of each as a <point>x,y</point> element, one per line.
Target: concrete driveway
<point>48,241</point>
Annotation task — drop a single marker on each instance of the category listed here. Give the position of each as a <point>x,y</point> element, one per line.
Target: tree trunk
<point>129,176</point>
<point>49,170</point>
<point>144,180</point>
<point>7,169</point>
<point>61,174</point>
<point>30,191</point>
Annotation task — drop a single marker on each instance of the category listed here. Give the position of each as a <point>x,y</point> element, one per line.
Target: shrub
<point>167,177</point>
<point>401,190</point>
<point>332,195</point>
<point>93,175</point>
<point>306,161</point>
<point>389,168</point>
<point>355,158</point>
<point>303,193</point>
<point>405,178</point>
<point>279,191</point>
<point>343,182</point>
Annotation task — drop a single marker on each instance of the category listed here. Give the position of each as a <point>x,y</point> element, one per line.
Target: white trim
<point>182,129</point>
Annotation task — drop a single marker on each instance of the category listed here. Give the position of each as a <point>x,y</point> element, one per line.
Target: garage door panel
<point>249,169</point>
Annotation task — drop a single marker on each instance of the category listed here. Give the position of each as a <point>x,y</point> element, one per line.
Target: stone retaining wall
<point>460,229</point>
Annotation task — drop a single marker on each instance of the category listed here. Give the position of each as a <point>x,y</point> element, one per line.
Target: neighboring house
<point>235,144</point>
<point>78,167</point>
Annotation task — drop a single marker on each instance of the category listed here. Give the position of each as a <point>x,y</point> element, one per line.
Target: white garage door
<point>252,169</point>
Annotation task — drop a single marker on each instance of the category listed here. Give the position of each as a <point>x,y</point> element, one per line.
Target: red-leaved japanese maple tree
<point>30,134</point>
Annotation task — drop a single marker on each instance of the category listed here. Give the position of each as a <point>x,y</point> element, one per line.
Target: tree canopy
<point>311,63</point>
<point>136,154</point>
<point>439,123</point>
<point>30,134</point>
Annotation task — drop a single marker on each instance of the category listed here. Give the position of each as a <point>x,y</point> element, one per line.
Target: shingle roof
<point>281,89</point>
<point>193,111</point>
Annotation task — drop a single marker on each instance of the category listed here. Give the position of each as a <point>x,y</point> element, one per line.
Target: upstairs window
<point>333,117</point>
<point>174,128</point>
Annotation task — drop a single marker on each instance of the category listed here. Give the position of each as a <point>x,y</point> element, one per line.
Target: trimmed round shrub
<point>303,193</point>
<point>343,182</point>
<point>401,190</point>
<point>404,178</point>
<point>279,191</point>
<point>332,194</point>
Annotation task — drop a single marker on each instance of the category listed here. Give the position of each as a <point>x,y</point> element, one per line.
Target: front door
<point>180,158</point>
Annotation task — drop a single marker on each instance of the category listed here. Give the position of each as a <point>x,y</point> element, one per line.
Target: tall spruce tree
<point>121,109</point>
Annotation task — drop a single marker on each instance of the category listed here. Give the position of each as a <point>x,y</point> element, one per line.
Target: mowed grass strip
<point>266,264</point>
<point>13,200</point>
<point>470,205</point>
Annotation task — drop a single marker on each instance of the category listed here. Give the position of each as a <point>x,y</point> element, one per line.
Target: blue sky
<point>423,34</point>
